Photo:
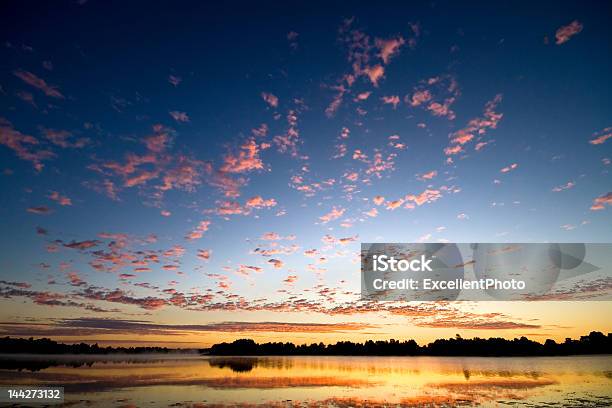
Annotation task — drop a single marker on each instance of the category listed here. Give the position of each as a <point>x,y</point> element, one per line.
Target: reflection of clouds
<point>315,381</point>
<point>75,383</point>
<point>488,390</point>
<point>485,384</point>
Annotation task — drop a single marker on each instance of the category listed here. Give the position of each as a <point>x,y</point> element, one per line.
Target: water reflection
<point>246,364</point>
<point>193,381</point>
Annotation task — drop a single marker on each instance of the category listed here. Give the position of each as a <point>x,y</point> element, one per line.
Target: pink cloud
<point>331,240</point>
<point>427,176</point>
<point>271,236</point>
<point>420,97</point>
<point>395,143</point>
<point>179,116</point>
<point>389,48</point>
<point>564,33</point>
<point>353,176</point>
<point>204,254</point>
<point>261,131</point>
<point>565,186</point>
<point>277,263</point>
<point>246,160</point>
<point>39,83</point>
<point>375,73</point>
<point>476,128</point>
<point>378,200</point>
<point>602,136</point>
<point>290,280</point>
<point>334,105</point>
<point>442,109</point>
<point>24,146</point>
<point>480,145</point>
<point>392,205</point>
<point>391,100</point>
<point>228,185</point>
<point>230,208</point>
<point>372,212</point>
<point>61,200</point>
<point>42,210</point>
<point>270,99</point>
<point>62,138</point>
<point>246,270</point>
<point>334,214</point>
<point>461,137</point>
<point>363,96</point>
<point>259,202</point>
<point>75,279</point>
<point>450,150</point>
<point>175,80</point>
<point>427,196</point>
<point>199,231</point>
<point>176,251</point>
<point>509,168</point>
<point>311,253</point>
<point>600,202</point>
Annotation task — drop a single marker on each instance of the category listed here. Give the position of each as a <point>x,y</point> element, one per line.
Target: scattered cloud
<point>175,80</point>
<point>389,48</point>
<point>601,136</point>
<point>391,100</point>
<point>63,139</point>
<point>204,254</point>
<point>199,230</point>
<point>564,33</point>
<point>60,199</point>
<point>427,176</point>
<point>41,210</point>
<point>509,168</point>
<point>26,147</point>
<point>476,128</point>
<point>600,202</point>
<point>179,116</point>
<point>245,160</point>
<point>334,214</point>
<point>277,263</point>
<point>39,83</point>
<point>566,186</point>
<point>270,99</point>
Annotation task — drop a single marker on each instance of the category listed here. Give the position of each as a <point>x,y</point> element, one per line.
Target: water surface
<point>198,381</point>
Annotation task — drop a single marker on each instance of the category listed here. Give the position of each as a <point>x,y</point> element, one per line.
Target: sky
<point>188,173</point>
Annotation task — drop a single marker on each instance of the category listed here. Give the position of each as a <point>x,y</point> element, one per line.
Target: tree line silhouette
<point>9,345</point>
<point>594,343</point>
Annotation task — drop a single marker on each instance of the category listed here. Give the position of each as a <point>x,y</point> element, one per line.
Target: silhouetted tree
<point>594,343</point>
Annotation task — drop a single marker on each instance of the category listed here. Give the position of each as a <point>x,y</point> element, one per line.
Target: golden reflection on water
<point>194,381</point>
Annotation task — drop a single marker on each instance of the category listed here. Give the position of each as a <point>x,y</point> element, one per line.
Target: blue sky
<point>132,119</point>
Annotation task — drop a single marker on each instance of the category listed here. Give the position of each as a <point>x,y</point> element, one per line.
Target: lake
<point>198,381</point>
